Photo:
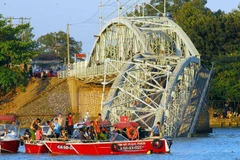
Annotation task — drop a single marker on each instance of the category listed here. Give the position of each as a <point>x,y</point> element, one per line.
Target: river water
<point>222,144</point>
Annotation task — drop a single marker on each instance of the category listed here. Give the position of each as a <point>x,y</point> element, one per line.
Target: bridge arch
<point>157,73</point>
<point>122,38</point>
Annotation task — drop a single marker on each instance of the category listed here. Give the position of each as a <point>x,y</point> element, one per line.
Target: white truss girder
<point>159,67</point>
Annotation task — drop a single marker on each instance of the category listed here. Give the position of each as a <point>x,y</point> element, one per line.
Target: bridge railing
<point>80,70</point>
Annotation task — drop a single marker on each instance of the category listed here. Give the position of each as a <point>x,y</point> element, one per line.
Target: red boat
<point>36,148</point>
<point>116,145</point>
<point>153,145</point>
<point>122,147</point>
<point>60,147</point>
<point>9,138</point>
<point>9,146</point>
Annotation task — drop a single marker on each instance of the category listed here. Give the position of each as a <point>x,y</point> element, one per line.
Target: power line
<point>87,19</point>
<point>110,4</point>
<point>105,4</point>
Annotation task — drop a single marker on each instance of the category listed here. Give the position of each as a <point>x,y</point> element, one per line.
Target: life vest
<point>38,135</point>
<point>97,126</point>
<point>70,121</point>
<point>132,133</point>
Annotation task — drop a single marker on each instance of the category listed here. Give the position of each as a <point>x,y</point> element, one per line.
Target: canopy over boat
<point>7,118</point>
<point>122,125</point>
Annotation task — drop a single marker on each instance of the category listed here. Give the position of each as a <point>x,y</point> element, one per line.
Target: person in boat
<point>69,124</point>
<point>63,135</point>
<point>107,125</point>
<point>103,134</point>
<point>56,131</point>
<point>4,135</point>
<point>91,130</point>
<point>81,135</point>
<point>116,130</point>
<point>33,127</point>
<point>114,133</point>
<point>39,134</point>
<point>50,131</point>
<point>61,121</point>
<point>87,134</point>
<point>142,132</point>
<point>26,137</point>
<point>156,129</point>
<point>12,127</point>
<point>97,129</point>
<point>97,125</point>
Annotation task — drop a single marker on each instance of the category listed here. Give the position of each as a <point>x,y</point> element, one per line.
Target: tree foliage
<point>56,43</point>
<point>217,38</point>
<point>199,24</point>
<point>226,82</point>
<point>14,52</point>
<point>216,35</point>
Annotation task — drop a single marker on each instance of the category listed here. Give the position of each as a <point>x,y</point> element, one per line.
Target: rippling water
<point>222,144</point>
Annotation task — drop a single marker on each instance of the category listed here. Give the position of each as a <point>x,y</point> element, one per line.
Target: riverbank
<point>224,122</point>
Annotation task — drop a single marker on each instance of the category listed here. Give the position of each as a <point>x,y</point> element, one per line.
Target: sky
<point>82,15</point>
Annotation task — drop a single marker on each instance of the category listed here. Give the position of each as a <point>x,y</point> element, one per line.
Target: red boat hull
<point>35,148</point>
<point>59,147</point>
<point>9,146</point>
<point>116,148</point>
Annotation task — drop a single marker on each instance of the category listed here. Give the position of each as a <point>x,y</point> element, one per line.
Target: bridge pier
<point>72,83</point>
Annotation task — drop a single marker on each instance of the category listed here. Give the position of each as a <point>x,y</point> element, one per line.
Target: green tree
<point>14,52</point>
<point>231,29</point>
<point>172,6</point>
<point>56,43</point>
<point>198,22</point>
<point>226,81</point>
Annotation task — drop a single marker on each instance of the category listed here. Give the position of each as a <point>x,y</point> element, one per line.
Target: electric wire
<point>92,15</point>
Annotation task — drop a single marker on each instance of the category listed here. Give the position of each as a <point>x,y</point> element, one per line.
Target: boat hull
<point>37,148</point>
<point>9,146</point>
<point>118,148</point>
<point>60,147</point>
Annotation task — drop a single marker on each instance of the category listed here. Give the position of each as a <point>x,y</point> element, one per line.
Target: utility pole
<point>20,18</point>
<point>100,16</point>
<point>164,14</point>
<point>23,32</point>
<point>22,22</point>
<point>143,9</point>
<point>118,11</point>
<point>68,51</point>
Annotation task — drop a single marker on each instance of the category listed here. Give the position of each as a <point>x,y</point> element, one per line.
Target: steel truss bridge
<point>154,71</point>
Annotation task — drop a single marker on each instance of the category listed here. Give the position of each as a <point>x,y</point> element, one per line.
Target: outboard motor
<point>169,140</point>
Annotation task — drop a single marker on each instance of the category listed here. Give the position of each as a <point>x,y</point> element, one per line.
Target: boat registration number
<point>64,147</point>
